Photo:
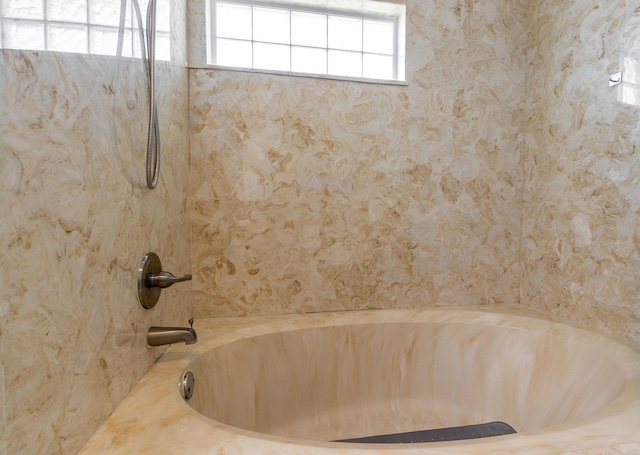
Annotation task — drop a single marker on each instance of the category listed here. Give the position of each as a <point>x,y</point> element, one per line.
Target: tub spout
<point>159,336</point>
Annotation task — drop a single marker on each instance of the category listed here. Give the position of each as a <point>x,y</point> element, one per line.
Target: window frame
<point>397,19</point>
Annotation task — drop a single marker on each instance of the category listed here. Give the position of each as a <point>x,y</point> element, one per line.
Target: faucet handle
<point>164,280</point>
<point>152,280</point>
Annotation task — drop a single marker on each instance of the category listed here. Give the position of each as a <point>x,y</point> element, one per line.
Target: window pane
<point>630,95</point>
<point>271,56</point>
<point>67,38</point>
<point>308,29</point>
<point>67,10</point>
<point>233,53</point>
<point>23,9</point>
<point>378,37</point>
<point>309,60</point>
<point>163,16</point>
<point>163,46</point>
<point>377,66</point>
<point>127,48</point>
<point>137,48</point>
<point>105,13</point>
<point>233,21</point>
<point>631,70</point>
<point>343,63</point>
<point>104,41</point>
<point>143,4</point>
<point>345,33</point>
<point>271,25</point>
<point>24,35</point>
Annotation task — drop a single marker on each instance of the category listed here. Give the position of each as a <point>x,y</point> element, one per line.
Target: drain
<point>483,430</point>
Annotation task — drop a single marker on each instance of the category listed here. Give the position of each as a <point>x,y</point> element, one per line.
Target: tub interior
<point>352,381</point>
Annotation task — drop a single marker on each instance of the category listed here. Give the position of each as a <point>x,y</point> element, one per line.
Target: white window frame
<point>397,18</point>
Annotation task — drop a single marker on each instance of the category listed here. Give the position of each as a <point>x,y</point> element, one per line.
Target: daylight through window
<point>306,39</point>
<point>79,26</point>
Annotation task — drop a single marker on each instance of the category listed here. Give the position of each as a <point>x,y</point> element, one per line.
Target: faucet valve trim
<point>152,280</point>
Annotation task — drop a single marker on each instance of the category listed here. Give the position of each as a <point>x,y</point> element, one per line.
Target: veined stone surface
<point>580,255</point>
<point>76,220</point>
<point>460,187</point>
<point>316,195</point>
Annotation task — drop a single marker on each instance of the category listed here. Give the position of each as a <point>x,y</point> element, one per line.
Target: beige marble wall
<point>76,219</point>
<point>312,195</point>
<point>580,253</point>
<point>316,195</point>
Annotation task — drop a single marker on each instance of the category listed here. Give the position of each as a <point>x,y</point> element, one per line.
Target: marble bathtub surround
<point>289,384</point>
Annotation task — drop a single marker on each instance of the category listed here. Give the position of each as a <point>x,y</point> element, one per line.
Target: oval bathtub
<point>293,384</point>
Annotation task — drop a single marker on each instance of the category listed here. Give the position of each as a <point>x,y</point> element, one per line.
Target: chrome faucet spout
<point>159,336</point>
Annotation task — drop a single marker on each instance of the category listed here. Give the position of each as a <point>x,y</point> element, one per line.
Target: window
<point>629,91</point>
<point>365,43</point>
<point>81,26</point>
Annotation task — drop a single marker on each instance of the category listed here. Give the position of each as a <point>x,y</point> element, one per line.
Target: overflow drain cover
<point>187,384</point>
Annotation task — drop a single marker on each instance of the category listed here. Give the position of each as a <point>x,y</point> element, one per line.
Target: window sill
<point>305,75</point>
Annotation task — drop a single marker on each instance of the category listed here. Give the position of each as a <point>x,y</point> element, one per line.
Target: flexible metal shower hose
<point>153,138</point>
<point>148,52</point>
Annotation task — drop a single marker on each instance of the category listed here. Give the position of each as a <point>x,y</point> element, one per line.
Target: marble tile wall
<point>581,226</point>
<point>76,220</point>
<point>319,195</point>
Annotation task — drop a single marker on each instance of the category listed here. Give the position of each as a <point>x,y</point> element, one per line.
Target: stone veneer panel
<point>76,219</point>
<point>581,226</point>
<point>319,195</point>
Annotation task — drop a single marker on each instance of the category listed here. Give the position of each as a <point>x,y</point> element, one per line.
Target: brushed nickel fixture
<point>187,384</point>
<point>152,280</point>
<point>153,138</point>
<point>159,336</point>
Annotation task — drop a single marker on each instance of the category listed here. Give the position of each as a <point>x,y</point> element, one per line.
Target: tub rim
<point>611,426</point>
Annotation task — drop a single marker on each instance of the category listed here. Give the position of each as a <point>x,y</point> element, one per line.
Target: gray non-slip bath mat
<point>482,430</point>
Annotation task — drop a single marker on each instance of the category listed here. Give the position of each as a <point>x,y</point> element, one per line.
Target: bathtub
<point>293,384</point>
